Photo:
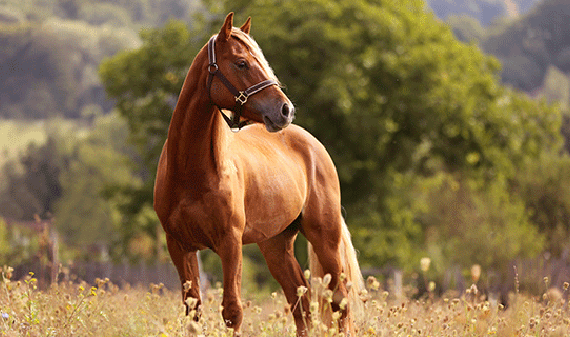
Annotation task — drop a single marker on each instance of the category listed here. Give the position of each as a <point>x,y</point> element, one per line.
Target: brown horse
<point>220,190</point>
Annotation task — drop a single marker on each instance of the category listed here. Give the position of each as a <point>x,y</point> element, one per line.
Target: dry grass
<point>70,309</point>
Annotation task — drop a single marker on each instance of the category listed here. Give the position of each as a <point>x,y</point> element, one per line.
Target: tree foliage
<point>85,215</point>
<point>467,222</point>
<point>17,244</point>
<point>69,179</point>
<point>545,185</point>
<point>32,184</point>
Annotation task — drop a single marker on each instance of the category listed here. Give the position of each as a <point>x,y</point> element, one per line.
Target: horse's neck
<point>196,137</point>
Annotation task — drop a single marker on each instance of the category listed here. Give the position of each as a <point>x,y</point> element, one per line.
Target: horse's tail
<point>350,267</point>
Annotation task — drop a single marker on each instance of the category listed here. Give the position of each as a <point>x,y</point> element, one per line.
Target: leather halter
<point>240,96</point>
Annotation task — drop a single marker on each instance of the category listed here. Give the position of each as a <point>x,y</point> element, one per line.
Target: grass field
<point>102,309</point>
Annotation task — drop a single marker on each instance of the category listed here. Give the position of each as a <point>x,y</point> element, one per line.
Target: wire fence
<point>121,274</point>
<point>534,276</point>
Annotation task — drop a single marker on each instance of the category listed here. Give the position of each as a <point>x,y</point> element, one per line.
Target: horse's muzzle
<point>278,119</point>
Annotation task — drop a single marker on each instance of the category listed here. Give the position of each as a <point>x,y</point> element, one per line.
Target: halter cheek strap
<point>240,96</point>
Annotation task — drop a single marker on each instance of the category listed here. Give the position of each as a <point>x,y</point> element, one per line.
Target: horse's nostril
<point>285,111</point>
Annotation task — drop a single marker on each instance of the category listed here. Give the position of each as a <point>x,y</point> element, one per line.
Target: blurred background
<point>448,122</point>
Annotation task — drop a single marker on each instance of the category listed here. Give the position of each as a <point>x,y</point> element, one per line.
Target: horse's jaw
<point>272,127</point>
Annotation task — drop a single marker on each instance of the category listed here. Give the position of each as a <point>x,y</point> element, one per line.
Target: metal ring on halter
<point>242,98</point>
<point>215,65</point>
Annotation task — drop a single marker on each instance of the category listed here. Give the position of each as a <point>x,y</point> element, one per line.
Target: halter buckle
<point>242,98</point>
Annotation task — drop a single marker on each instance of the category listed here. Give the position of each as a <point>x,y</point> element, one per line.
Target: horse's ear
<point>226,30</point>
<point>246,26</point>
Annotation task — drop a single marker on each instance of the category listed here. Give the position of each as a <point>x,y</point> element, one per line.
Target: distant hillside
<point>485,11</point>
<point>534,48</point>
<point>51,50</point>
<point>529,46</point>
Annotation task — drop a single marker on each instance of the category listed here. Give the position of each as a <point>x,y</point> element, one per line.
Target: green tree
<point>33,183</point>
<point>17,244</point>
<point>545,187</point>
<point>466,222</point>
<point>85,215</point>
<point>5,243</point>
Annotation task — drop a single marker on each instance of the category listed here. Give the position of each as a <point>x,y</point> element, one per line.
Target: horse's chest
<point>199,222</point>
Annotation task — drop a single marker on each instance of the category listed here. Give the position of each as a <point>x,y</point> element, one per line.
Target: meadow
<point>105,309</point>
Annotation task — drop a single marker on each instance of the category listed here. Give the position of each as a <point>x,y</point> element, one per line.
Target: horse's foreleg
<point>187,265</point>
<point>230,252</point>
<point>280,258</point>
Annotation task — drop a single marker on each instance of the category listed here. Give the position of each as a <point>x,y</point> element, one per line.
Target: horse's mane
<point>255,51</point>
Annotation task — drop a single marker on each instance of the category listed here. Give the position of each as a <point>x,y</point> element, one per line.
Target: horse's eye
<point>241,64</point>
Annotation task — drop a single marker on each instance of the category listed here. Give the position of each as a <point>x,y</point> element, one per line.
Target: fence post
<point>397,284</point>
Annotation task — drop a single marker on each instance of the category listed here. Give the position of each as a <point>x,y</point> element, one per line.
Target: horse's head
<point>241,80</point>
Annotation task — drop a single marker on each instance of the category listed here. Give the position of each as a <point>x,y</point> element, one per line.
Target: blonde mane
<point>255,51</point>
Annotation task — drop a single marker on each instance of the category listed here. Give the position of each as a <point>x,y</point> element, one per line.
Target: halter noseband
<point>240,96</point>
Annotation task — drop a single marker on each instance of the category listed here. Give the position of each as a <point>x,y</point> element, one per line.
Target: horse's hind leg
<point>322,226</point>
<point>187,265</point>
<point>280,258</point>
